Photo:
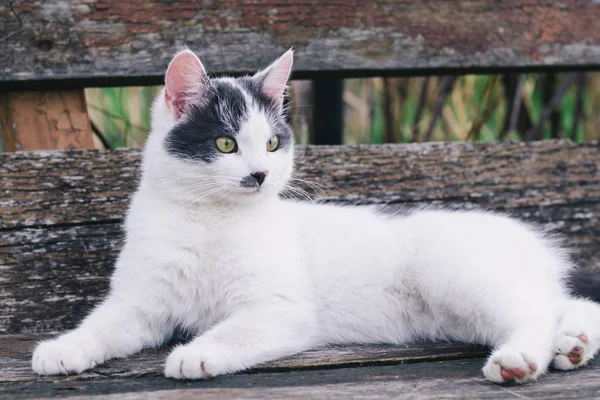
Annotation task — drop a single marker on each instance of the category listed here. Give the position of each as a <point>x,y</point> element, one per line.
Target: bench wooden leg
<point>44,121</point>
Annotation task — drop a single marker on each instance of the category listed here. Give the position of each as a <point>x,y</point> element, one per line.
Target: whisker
<point>317,187</point>
<point>299,191</point>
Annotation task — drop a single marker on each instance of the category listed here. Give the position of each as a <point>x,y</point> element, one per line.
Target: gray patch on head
<point>277,122</point>
<point>221,114</point>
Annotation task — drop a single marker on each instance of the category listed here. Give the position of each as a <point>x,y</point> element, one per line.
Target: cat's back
<point>362,245</point>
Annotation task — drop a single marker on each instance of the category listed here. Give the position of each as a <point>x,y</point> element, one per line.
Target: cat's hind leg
<point>524,356</point>
<point>577,337</point>
<point>521,332</point>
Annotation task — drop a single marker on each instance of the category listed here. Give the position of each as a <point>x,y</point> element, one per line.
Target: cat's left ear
<point>274,78</point>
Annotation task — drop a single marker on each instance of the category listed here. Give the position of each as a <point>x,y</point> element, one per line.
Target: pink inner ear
<point>185,82</point>
<point>277,76</point>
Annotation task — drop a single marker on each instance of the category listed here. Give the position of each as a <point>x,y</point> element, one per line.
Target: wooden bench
<point>61,214</point>
<point>61,211</point>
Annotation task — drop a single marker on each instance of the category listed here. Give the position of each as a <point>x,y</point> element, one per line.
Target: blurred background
<point>513,106</point>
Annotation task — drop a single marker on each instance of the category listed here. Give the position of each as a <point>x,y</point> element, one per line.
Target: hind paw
<point>506,366</point>
<point>572,351</point>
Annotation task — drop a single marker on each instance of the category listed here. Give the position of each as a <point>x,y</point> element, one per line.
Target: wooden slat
<point>105,40</point>
<point>15,359</point>
<point>60,212</point>
<point>76,187</point>
<point>44,121</point>
<point>394,372</point>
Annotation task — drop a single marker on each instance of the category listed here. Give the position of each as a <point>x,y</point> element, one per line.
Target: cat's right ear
<point>186,83</point>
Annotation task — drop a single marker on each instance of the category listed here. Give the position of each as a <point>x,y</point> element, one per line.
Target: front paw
<point>64,356</point>
<point>199,362</point>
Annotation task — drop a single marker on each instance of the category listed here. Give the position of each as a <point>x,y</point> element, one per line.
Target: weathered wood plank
<point>72,187</point>
<point>15,359</point>
<point>65,179</point>
<point>59,278</point>
<point>45,121</point>
<point>111,39</point>
<point>449,379</point>
<point>427,369</point>
<point>60,212</point>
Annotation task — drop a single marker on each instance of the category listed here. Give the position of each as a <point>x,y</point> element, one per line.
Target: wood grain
<point>427,370</point>
<point>102,41</point>
<point>444,372</point>
<point>60,212</point>
<point>78,187</point>
<point>45,121</point>
<point>446,380</point>
<point>15,359</point>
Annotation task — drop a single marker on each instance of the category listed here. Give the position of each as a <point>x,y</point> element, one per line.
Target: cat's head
<point>220,139</point>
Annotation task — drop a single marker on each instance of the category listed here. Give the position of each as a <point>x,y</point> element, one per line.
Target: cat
<point>212,249</point>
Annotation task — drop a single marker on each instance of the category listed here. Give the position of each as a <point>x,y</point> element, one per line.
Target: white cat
<point>212,249</point>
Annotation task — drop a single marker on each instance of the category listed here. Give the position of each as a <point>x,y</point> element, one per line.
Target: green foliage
<point>122,115</point>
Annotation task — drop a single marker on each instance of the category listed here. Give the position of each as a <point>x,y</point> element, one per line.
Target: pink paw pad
<point>575,354</point>
<point>509,375</point>
<point>583,338</point>
<point>572,351</point>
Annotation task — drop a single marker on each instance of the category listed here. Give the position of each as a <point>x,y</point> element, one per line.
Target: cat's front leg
<point>250,336</point>
<point>116,328</point>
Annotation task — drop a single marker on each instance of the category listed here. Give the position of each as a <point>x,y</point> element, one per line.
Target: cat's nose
<point>260,176</point>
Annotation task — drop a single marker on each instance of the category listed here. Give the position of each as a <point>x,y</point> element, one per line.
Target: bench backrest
<point>61,212</point>
<point>64,45</point>
<point>59,46</point>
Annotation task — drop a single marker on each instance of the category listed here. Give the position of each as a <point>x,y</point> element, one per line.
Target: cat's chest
<point>216,253</point>
<point>211,242</point>
<point>217,267</point>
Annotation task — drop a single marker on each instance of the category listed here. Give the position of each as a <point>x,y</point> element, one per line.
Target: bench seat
<point>424,371</point>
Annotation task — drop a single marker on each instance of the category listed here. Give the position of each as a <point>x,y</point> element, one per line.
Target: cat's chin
<point>248,196</point>
<point>264,190</point>
<point>253,194</point>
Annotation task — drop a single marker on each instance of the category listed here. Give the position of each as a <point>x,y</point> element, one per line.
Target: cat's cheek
<point>281,169</point>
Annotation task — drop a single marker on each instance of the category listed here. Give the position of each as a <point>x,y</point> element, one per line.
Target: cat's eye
<point>226,144</point>
<point>273,143</point>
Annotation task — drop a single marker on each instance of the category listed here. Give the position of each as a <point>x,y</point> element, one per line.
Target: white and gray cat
<point>213,250</point>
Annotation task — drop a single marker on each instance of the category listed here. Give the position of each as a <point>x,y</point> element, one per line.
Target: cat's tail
<point>586,284</point>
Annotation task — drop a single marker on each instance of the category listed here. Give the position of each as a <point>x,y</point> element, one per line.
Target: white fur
<point>257,278</point>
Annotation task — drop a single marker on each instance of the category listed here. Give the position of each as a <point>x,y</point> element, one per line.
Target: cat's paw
<point>572,351</point>
<point>507,365</point>
<point>64,356</point>
<point>198,362</point>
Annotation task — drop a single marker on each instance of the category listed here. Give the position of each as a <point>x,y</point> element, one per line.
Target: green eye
<point>226,144</point>
<point>273,143</point>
